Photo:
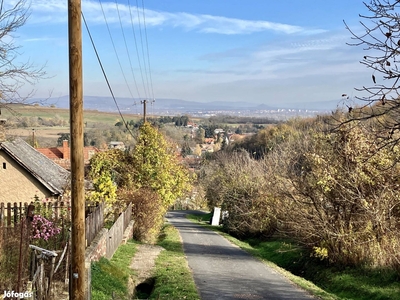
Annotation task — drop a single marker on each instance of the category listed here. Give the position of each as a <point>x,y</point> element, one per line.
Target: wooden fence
<point>116,232</point>
<point>11,213</point>
<point>94,222</point>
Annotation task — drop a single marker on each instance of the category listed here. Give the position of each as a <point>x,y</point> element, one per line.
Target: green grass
<point>92,117</point>
<point>173,278</point>
<point>110,277</point>
<point>315,276</point>
<point>203,218</point>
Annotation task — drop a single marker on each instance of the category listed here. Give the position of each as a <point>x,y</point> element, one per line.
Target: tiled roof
<point>51,175</point>
<point>52,153</point>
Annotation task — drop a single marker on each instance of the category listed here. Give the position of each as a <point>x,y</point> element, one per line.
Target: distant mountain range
<point>165,105</point>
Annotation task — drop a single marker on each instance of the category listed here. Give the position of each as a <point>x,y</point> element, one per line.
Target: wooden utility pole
<point>144,102</point>
<point>77,276</point>
<point>33,138</point>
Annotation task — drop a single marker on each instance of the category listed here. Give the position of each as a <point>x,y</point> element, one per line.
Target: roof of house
<point>52,153</point>
<point>51,175</point>
<point>58,152</point>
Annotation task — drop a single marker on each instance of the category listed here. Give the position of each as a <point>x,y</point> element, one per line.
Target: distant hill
<point>107,104</point>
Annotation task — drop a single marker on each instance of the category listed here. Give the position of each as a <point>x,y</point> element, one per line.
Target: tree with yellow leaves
<point>156,166</point>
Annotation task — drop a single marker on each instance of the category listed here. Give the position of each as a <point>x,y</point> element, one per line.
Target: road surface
<point>222,270</point>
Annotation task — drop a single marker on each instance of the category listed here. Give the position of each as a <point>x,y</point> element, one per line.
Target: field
<point>91,117</point>
<point>45,132</point>
<point>46,136</point>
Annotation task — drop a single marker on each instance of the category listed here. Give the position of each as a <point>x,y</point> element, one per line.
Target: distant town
<point>173,107</point>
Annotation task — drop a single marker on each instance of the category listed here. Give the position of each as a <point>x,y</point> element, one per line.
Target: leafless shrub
<point>10,243</point>
<point>339,195</point>
<point>240,186</point>
<point>147,211</point>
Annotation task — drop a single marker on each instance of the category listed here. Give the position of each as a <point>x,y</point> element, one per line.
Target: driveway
<point>222,270</point>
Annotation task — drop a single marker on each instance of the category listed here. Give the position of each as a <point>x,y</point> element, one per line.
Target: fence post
<point>8,214</point>
<point>2,211</point>
<point>20,212</point>
<point>15,213</point>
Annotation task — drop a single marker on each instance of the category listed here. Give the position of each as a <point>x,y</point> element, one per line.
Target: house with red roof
<point>62,155</point>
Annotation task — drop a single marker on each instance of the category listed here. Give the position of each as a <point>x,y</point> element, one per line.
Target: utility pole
<point>144,102</point>
<point>77,271</point>
<point>33,138</point>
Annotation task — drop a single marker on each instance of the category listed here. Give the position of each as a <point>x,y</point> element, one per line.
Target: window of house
<point>4,165</point>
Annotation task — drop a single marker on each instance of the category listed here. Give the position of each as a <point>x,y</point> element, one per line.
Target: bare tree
<point>381,39</point>
<point>14,74</point>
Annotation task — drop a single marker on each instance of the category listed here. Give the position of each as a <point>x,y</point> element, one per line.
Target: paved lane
<point>224,271</point>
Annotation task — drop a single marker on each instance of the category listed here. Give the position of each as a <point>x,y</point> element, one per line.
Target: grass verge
<point>173,277</point>
<point>322,280</point>
<point>110,277</point>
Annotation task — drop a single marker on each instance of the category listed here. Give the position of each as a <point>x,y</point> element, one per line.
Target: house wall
<point>16,184</point>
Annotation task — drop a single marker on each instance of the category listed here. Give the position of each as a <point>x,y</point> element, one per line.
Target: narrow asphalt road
<point>222,270</point>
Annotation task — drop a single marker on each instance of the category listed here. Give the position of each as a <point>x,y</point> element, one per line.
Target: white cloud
<point>284,60</point>
<point>223,25</point>
<point>56,11</point>
<point>38,39</point>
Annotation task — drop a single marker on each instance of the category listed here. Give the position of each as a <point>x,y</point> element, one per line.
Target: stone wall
<point>98,247</point>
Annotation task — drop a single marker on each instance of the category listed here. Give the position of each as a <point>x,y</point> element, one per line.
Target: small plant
<point>43,228</point>
<point>42,207</point>
<point>320,252</point>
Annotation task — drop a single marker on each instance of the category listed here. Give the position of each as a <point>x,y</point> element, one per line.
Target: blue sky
<point>259,51</point>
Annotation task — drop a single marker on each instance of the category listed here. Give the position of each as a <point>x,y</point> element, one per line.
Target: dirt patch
<point>143,262</point>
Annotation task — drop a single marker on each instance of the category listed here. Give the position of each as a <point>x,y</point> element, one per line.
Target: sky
<point>258,51</point>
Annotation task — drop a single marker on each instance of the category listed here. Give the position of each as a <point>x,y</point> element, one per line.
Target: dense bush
<point>340,194</point>
<point>240,186</point>
<point>336,192</point>
<point>147,211</point>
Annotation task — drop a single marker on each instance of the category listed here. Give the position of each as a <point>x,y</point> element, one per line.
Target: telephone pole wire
<point>77,270</point>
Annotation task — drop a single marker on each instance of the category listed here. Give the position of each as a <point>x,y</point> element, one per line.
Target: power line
<point>137,50</point>
<point>141,42</point>
<point>147,85</point>
<point>115,50</point>
<point>126,47</point>
<point>105,76</point>
<point>147,46</point>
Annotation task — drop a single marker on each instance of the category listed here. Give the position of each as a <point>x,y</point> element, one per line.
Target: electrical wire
<point>105,76</point>
<point>141,42</point>
<point>147,46</point>
<point>137,50</point>
<point>126,47</point>
<point>115,50</point>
